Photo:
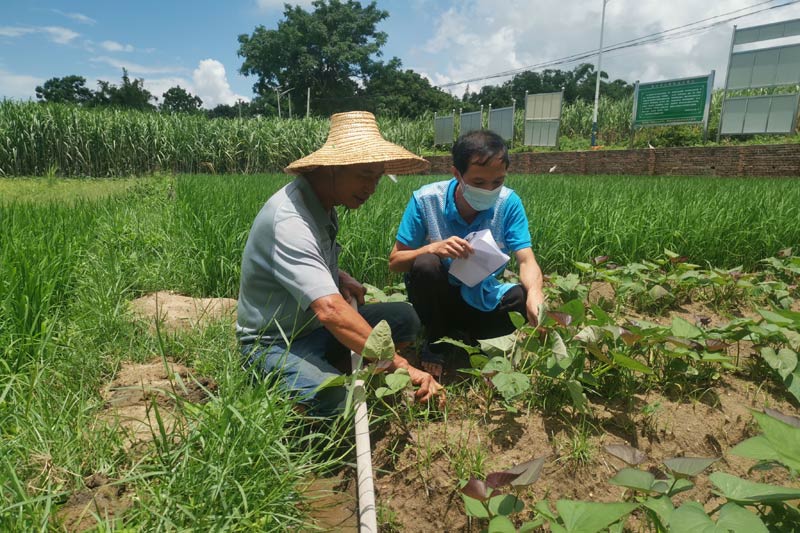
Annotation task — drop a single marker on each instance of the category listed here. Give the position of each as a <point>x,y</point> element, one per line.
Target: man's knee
<point>408,323</point>
<point>427,268</point>
<point>402,318</point>
<point>515,300</point>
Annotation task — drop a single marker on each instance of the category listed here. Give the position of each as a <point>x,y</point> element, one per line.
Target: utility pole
<point>278,93</point>
<point>599,69</point>
<point>308,102</point>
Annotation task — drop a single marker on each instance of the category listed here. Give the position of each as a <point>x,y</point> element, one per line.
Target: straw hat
<point>354,138</point>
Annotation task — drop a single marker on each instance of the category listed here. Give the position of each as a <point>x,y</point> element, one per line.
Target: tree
<point>178,100</point>
<point>404,93</point>
<point>223,111</point>
<point>578,84</point>
<point>131,94</point>
<point>325,50</point>
<point>69,89</point>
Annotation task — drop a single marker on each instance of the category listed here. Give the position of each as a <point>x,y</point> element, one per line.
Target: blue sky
<point>194,44</point>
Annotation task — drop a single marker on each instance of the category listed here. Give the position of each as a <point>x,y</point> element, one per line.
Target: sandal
<point>432,362</point>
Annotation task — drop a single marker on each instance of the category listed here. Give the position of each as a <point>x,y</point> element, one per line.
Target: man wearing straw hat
<point>293,310</point>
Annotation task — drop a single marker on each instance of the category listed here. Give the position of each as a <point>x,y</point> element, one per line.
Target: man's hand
<point>451,248</point>
<point>428,386</point>
<point>535,299</point>
<point>350,288</point>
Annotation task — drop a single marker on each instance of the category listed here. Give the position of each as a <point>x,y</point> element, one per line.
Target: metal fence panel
<point>443,130</point>
<point>776,30</point>
<point>756,116</point>
<point>543,106</point>
<point>765,68</point>
<point>783,113</point>
<point>470,122</point>
<point>501,121</point>
<point>740,71</point>
<point>789,70</point>
<point>732,119</point>
<point>760,114</point>
<point>541,132</point>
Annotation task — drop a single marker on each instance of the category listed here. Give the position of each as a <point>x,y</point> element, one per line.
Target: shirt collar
<point>328,221</point>
<point>451,209</point>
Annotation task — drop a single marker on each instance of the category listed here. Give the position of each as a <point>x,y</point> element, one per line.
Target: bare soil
<point>175,312</point>
<point>418,479</point>
<point>418,473</point>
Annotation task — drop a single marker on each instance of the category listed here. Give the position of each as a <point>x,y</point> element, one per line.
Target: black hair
<point>478,147</point>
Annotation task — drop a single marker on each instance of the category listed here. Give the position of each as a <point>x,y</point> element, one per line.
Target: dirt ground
<point>417,471</point>
<point>176,312</point>
<point>418,482</point>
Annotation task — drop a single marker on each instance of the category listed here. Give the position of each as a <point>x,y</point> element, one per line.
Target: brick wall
<point>777,160</point>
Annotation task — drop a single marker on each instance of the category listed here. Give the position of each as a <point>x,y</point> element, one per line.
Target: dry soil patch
<point>176,312</point>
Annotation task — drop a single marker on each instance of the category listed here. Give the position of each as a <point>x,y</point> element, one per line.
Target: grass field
<point>73,254</point>
<point>39,190</point>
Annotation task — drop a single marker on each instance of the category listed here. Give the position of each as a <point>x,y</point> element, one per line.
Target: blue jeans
<point>306,362</point>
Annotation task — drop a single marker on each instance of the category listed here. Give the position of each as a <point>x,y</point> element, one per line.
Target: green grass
<point>70,267</point>
<point>40,190</point>
<point>68,272</point>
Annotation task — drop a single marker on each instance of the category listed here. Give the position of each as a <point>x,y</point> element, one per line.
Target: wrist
<point>400,362</point>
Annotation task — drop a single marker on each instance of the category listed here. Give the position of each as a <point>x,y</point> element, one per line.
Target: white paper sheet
<point>485,259</point>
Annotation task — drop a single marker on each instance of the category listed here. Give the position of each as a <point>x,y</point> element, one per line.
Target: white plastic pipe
<point>367,517</point>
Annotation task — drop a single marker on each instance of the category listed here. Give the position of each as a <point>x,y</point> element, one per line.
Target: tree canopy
<point>178,100</point>
<point>578,84</point>
<point>69,89</point>
<point>328,50</point>
<point>131,94</point>
<point>394,91</point>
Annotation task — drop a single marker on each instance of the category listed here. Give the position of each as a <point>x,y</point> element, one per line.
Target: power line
<point>685,30</point>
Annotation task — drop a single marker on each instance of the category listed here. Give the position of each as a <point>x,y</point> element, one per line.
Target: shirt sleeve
<point>517,233</point>
<point>412,227</point>
<point>299,264</point>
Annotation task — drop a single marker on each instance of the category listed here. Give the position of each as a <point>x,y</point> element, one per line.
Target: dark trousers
<point>444,313</point>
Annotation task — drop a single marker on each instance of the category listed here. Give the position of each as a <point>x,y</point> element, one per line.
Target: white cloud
<point>476,38</point>
<point>158,86</point>
<point>79,17</point>
<point>114,46</point>
<point>15,31</point>
<point>269,5</point>
<point>18,86</point>
<point>211,84</point>
<point>60,35</point>
<point>135,68</point>
<point>57,34</point>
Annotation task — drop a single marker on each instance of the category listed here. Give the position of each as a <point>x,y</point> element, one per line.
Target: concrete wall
<point>778,160</point>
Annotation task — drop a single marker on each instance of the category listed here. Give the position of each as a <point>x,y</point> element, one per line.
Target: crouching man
<point>293,310</point>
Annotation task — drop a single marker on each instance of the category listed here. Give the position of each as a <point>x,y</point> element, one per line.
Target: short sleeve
<point>515,225</point>
<point>299,263</point>
<point>412,227</point>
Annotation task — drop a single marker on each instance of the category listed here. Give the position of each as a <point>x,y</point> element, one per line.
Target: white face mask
<point>479,199</point>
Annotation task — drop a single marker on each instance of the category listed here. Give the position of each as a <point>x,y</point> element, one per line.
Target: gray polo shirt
<point>290,260</point>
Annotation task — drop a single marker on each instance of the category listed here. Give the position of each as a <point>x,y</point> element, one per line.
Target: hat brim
<point>395,159</point>
<point>354,139</point>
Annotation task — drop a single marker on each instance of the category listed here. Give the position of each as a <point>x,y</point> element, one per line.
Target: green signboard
<point>672,102</point>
